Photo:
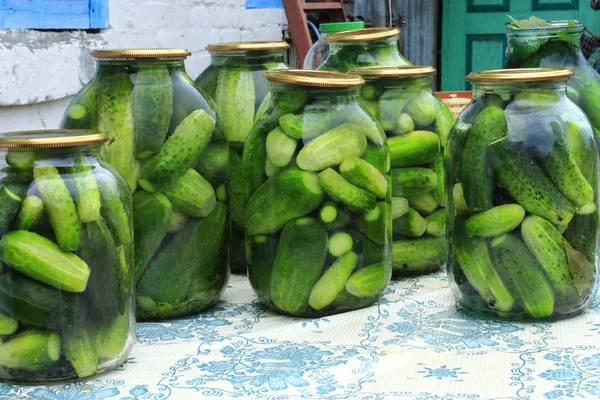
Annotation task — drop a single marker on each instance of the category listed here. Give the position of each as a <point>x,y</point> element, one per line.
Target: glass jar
<point>319,51</point>
<point>416,123</point>
<point>318,218</point>
<point>521,168</point>
<point>167,142</point>
<point>558,46</point>
<point>66,299</point>
<point>363,48</point>
<point>235,81</point>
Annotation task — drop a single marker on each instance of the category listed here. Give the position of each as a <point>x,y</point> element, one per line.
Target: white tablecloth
<point>414,344</point>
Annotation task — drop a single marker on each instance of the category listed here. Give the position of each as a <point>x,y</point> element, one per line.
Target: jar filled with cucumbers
<point>521,186</point>
<point>363,48</point>
<point>66,255</point>
<point>235,81</point>
<point>416,123</point>
<point>169,145</point>
<point>536,43</point>
<point>318,215</point>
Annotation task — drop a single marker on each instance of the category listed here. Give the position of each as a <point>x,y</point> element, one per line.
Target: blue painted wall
<point>53,14</point>
<point>264,4</point>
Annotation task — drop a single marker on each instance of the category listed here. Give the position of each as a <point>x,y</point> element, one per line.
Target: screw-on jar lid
<point>519,75</point>
<point>140,53</point>
<point>50,138</point>
<point>324,79</point>
<point>405,71</point>
<point>333,27</point>
<point>362,35</point>
<point>231,47</point>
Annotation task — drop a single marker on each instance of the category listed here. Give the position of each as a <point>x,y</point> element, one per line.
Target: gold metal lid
<point>362,35</point>
<point>519,75</point>
<point>50,138</point>
<point>325,79</point>
<point>246,46</point>
<point>140,53</point>
<point>406,71</point>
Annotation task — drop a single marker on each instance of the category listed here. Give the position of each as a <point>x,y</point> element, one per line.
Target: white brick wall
<point>41,71</point>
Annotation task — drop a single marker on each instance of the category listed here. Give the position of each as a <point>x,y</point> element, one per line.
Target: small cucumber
<point>332,147</point>
<point>495,221</point>
<point>271,170</point>
<point>377,156</point>
<point>389,108</point>
<point>177,221</point>
<point>458,197</point>
<point>42,259</point>
<point>10,203</point>
<point>342,191</point>
<point>412,181</point>
<point>87,195</point>
<point>370,281</point>
<point>192,195</point>
<point>235,98</point>
<point>362,174</point>
<point>113,338</point>
<point>436,223</point>
<point>377,224</point>
<point>369,126</point>
<point>280,148</point>
<point>414,256</point>
<point>404,125</point>
<point>371,91</point>
<point>424,203</point>
<point>333,281</point>
<point>411,224</point>
<point>314,121</point>
<point>8,325</point>
<point>59,206</point>
<point>399,207</point>
<point>31,212</point>
<point>328,213</point>
<point>81,351</point>
<point>339,243</point>
<point>298,264</point>
<point>422,109</point>
<point>31,350</point>
<point>20,159</point>
<point>260,253</point>
<point>213,163</point>
<point>413,149</point>
<point>440,190</point>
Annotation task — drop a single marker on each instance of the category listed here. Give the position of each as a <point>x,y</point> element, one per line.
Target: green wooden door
<point>473,31</point>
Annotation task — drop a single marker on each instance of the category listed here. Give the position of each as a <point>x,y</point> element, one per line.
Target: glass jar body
<point>318,236</point>
<point>523,236</point>
<point>416,123</point>
<point>169,144</point>
<point>236,82</point>
<point>346,56</point>
<point>64,207</point>
<point>558,47</point>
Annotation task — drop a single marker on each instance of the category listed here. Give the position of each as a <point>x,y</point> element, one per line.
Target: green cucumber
<point>495,221</point>
<point>59,206</point>
<point>235,98</point>
<point>411,224</point>
<point>413,256</point>
<point>371,92</point>
<point>264,107</point>
<point>399,207</point>
<point>424,203</point>
<point>333,281</point>
<point>298,264</point>
<point>30,350</point>
<point>422,109</point>
<point>332,147</point>
<point>413,149</point>
<point>20,159</point>
<point>404,125</point>
<point>314,121</point>
<point>377,224</point>
<point>546,245</point>
<point>87,195</point>
<point>42,259</point>
<point>440,190</point>
<point>192,195</point>
<point>260,253</point>
<point>112,339</point>
<point>177,221</point>
<point>370,281</point>
<point>341,219</point>
<point>339,243</point>
<point>280,148</point>
<point>362,174</point>
<point>194,247</point>
<point>179,153</point>
<point>213,163</point>
<point>377,156</point>
<point>412,181</point>
<point>221,193</point>
<point>342,191</point>
<point>514,259</point>
<point>30,213</point>
<point>389,108</point>
<point>113,209</point>
<point>328,213</point>
<point>8,325</point>
<point>236,185</point>
<point>10,204</point>
<point>477,176</point>
<point>271,170</point>
<point>151,220</point>
<point>288,195</point>
<point>527,183</point>
<point>369,127</point>
<point>436,223</point>
<point>152,109</point>
<point>458,197</point>
<point>81,351</point>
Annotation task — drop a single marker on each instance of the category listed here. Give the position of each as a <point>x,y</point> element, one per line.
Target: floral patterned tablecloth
<point>414,344</point>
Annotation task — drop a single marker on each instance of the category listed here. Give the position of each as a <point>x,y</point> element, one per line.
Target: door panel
<point>473,31</point>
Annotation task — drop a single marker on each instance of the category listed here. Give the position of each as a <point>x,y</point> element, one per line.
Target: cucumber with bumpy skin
<point>369,281</point>
<point>424,203</point>
<point>192,195</point>
<point>342,191</point>
<point>87,195</point>
<point>362,174</point>
<point>314,121</point>
<point>113,209</point>
<point>30,213</point>
<point>59,206</point>
<point>411,224</point>
<point>412,181</point>
<point>377,156</point>
<point>333,281</point>
<point>10,203</point>
<point>436,223</point>
<point>298,264</point>
<point>399,207</point>
<point>412,256</point>
<point>280,148</point>
<point>31,350</point>
<point>235,98</point>
<point>495,221</point>
<point>213,163</point>
<point>414,148</point>
<point>42,259</point>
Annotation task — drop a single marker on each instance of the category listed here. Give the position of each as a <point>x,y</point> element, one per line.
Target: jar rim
<point>405,71</point>
<point>140,53</point>
<point>362,35</point>
<point>50,138</point>
<point>571,26</point>
<point>323,79</point>
<point>231,47</point>
<point>519,75</point>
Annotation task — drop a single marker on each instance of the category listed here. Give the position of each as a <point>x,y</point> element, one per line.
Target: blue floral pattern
<point>413,344</point>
